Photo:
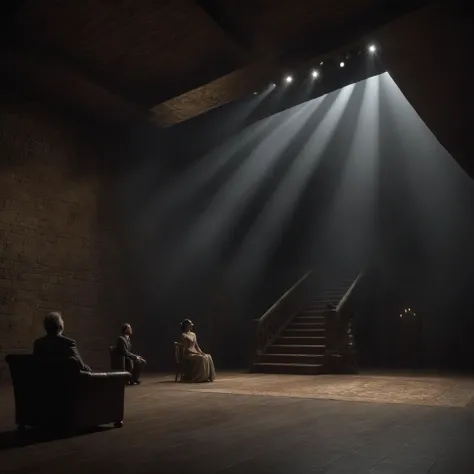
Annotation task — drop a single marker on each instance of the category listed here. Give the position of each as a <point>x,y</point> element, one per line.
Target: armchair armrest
<point>106,375</point>
<point>99,398</point>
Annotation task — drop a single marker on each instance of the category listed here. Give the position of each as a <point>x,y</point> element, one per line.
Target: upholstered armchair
<point>52,394</point>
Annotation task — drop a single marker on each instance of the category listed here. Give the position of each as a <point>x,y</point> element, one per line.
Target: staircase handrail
<point>284,296</point>
<point>267,332</point>
<point>348,294</point>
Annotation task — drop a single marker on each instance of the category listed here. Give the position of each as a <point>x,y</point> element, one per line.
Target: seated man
<point>55,345</point>
<point>133,362</point>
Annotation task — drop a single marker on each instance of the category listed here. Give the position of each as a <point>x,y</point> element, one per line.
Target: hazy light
<point>357,189</point>
<point>314,74</point>
<point>289,79</point>
<point>263,239</point>
<point>342,64</point>
<point>372,48</point>
<point>273,84</point>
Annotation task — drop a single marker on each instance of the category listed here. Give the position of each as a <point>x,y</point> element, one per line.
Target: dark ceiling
<point>174,59</point>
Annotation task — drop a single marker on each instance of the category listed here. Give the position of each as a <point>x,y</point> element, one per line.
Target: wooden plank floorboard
<point>171,430</point>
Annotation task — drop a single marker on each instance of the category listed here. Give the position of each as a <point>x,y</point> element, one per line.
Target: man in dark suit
<point>56,346</point>
<point>133,362</point>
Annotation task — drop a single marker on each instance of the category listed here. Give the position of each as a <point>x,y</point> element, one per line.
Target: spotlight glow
<point>342,64</point>
<point>289,79</point>
<point>372,49</point>
<point>314,74</point>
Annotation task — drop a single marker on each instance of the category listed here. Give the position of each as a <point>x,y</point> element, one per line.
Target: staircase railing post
<point>340,351</point>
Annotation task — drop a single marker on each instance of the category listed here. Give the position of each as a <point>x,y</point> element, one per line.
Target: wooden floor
<point>181,428</point>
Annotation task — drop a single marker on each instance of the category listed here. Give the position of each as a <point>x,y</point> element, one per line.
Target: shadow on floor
<point>20,438</point>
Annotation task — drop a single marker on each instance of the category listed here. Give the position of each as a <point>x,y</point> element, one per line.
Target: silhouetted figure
<point>56,346</point>
<point>133,362</point>
<point>201,365</point>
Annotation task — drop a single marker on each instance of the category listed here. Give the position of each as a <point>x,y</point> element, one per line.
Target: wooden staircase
<point>300,347</point>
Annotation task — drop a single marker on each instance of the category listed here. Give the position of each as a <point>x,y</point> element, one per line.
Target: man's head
<point>127,329</point>
<point>53,323</point>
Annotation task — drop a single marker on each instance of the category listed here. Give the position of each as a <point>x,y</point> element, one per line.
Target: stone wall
<point>52,248</point>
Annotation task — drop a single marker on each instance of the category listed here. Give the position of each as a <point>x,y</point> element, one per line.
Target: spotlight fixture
<point>255,93</point>
<point>273,84</point>
<point>372,49</point>
<point>321,63</point>
<point>288,79</point>
<point>342,64</point>
<point>314,74</point>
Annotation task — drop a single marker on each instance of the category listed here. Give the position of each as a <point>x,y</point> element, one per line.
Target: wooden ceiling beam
<point>252,77</point>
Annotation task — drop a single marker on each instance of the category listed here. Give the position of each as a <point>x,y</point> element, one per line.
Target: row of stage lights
<point>372,49</point>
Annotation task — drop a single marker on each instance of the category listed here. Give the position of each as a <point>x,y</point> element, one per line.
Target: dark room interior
<point>293,178</point>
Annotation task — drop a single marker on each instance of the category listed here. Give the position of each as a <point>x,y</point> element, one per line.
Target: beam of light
<point>264,236</point>
<point>210,167</point>
<point>352,214</point>
<point>438,211</point>
<point>210,231</point>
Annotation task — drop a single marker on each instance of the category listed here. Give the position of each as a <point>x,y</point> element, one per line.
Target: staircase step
<point>273,368</point>
<point>322,304</point>
<point>292,358</point>
<point>298,340</point>
<point>309,319</point>
<point>306,325</point>
<point>303,332</point>
<point>296,349</point>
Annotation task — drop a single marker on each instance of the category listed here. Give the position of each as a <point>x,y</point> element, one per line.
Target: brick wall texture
<point>52,247</point>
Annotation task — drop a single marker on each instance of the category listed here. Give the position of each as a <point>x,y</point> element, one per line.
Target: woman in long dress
<point>200,366</point>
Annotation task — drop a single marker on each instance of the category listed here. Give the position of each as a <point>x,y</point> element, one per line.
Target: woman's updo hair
<point>184,323</point>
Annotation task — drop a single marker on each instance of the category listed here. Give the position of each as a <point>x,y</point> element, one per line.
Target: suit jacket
<point>124,348</point>
<point>58,346</point>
